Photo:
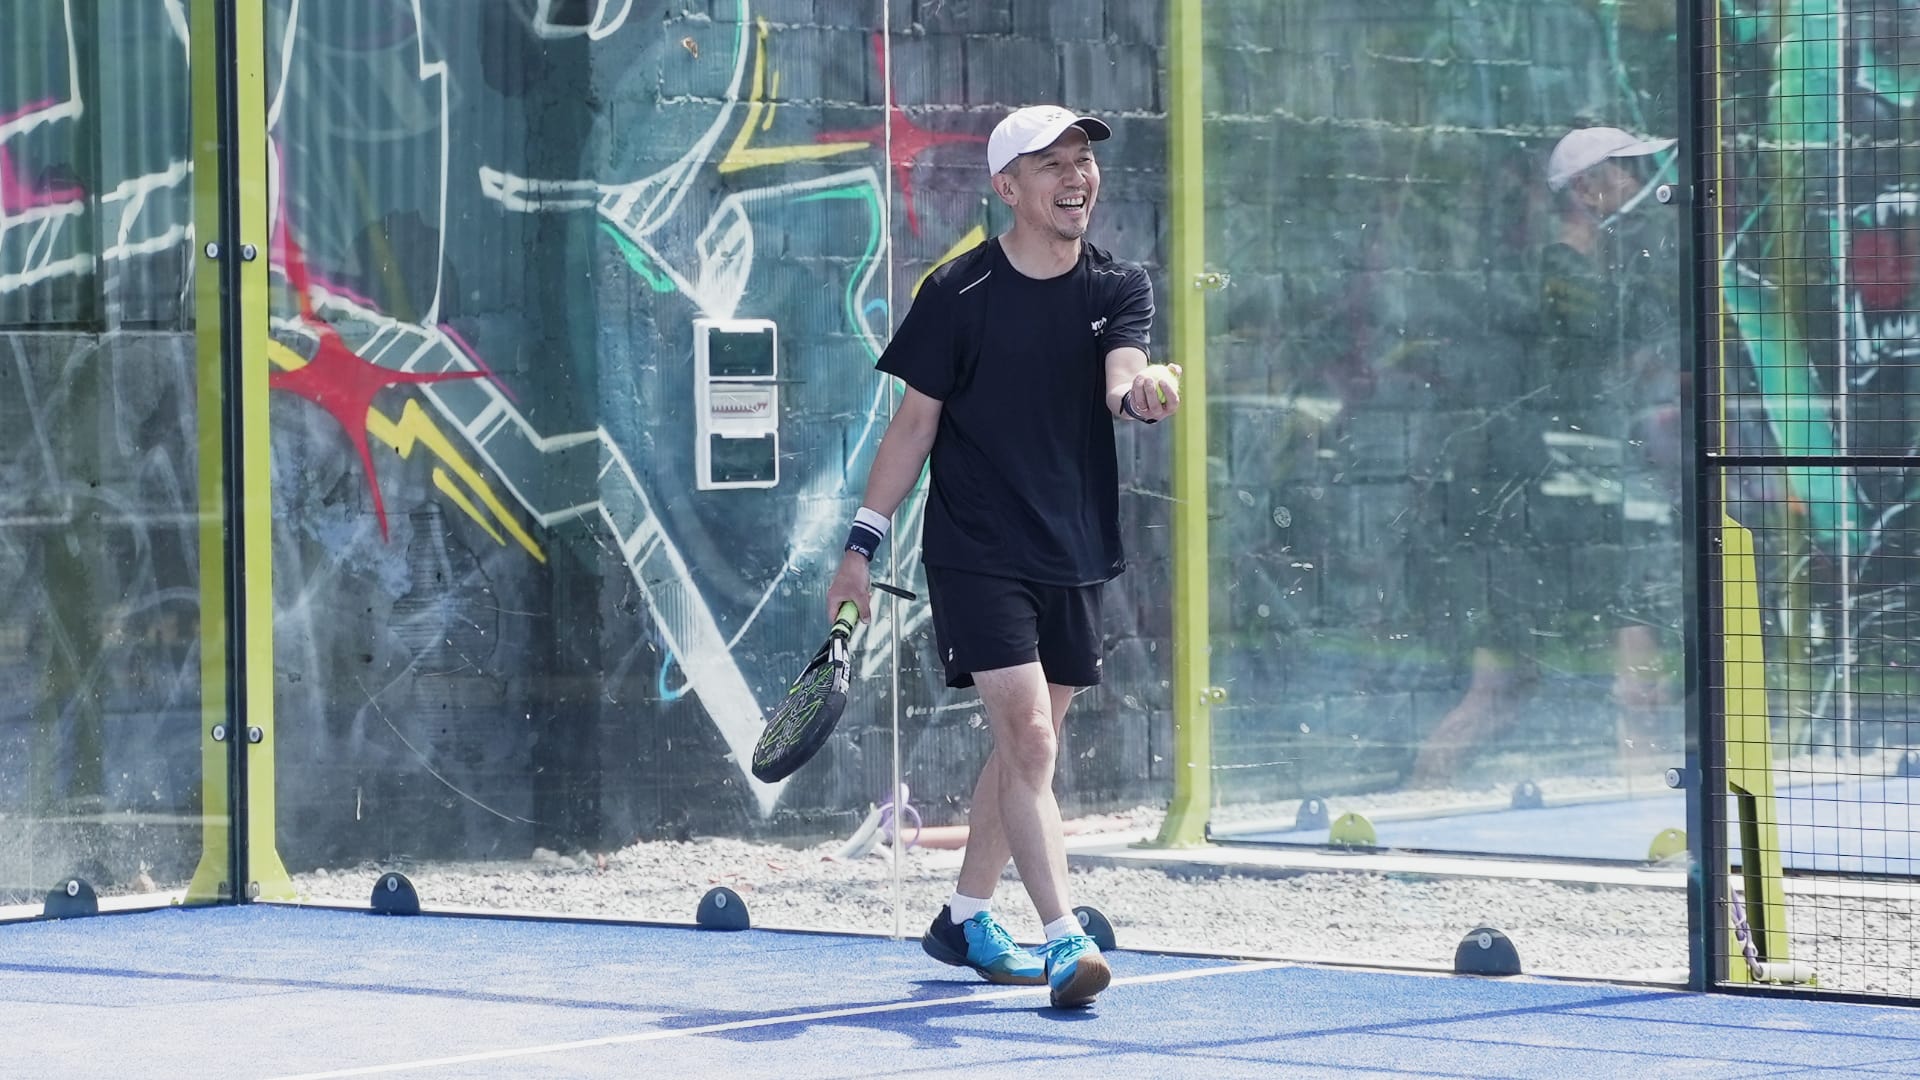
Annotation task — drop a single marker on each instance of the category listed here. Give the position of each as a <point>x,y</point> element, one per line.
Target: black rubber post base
<point>1097,927</point>
<point>1486,951</point>
<point>722,909</point>
<point>1527,796</point>
<point>72,900</point>
<point>393,894</point>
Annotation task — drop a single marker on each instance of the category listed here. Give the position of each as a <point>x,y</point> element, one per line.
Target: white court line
<point>658,1035</point>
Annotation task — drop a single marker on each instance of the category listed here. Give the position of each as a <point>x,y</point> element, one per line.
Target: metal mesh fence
<point>1808,132</point>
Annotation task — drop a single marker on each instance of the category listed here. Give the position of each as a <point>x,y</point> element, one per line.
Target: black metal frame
<point>1704,749</point>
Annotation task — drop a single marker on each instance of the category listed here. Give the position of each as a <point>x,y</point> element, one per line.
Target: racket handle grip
<point>847,617</point>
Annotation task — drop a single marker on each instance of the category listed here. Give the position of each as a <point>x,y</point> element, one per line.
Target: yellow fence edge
<point>1193,698</point>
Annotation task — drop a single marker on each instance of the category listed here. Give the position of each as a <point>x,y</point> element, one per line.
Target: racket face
<point>807,715</point>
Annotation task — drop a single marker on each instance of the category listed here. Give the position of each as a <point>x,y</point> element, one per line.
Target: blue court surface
<point>1854,828</point>
<point>265,991</point>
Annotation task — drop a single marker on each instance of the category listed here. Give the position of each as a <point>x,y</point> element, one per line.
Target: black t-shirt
<point>1024,482</point>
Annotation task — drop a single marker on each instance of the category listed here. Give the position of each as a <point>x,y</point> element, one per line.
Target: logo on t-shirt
<point>1099,324</point>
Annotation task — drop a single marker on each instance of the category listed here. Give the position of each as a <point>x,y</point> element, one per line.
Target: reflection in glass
<point>538,573</point>
<point>99,545</point>
<point>1447,583</point>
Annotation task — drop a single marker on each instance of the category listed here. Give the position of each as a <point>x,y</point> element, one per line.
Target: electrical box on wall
<point>736,402</point>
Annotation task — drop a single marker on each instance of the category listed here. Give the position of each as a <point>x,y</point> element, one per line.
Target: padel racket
<point>806,716</point>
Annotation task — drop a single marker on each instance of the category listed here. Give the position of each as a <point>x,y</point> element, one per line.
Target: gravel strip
<point>1856,937</point>
<point>1609,933</point>
<point>1861,943</point>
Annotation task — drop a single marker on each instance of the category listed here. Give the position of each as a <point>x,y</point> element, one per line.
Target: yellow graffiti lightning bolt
<point>743,155</point>
<point>416,428</point>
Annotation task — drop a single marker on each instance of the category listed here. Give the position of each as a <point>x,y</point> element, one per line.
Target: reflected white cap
<point>1584,148</point>
<point>1035,128</point>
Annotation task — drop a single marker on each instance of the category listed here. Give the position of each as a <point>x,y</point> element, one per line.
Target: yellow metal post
<point>267,876</point>
<point>1747,730</point>
<point>236,154</point>
<point>215,852</point>
<point>1193,697</point>
<point>1749,748</point>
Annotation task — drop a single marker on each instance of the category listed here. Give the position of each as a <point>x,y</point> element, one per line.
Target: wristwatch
<point>1126,406</point>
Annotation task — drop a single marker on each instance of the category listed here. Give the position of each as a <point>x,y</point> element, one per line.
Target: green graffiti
<point>1766,302</point>
<point>1747,21</point>
<point>1898,83</point>
<point>1774,346</point>
<point>638,260</point>
<point>867,193</point>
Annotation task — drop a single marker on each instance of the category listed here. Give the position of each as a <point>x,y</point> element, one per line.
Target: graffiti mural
<point>508,614</point>
<point>1816,290</point>
<point>492,239</point>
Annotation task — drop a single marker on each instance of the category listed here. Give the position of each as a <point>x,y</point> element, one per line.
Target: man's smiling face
<point>1052,191</point>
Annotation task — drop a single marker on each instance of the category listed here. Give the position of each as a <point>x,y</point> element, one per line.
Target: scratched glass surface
<point>100,610</point>
<point>1445,403</point>
<point>535,582</point>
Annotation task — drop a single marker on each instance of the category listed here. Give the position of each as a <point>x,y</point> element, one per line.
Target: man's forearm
<point>896,468</point>
<point>1123,365</point>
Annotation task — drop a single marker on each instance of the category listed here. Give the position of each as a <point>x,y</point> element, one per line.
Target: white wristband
<point>874,520</point>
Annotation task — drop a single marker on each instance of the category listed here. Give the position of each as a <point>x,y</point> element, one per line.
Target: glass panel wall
<point>100,609</point>
<point>535,588</point>
<point>575,316</point>
<point>574,313</point>
<point>530,605</point>
<point>1445,473</point>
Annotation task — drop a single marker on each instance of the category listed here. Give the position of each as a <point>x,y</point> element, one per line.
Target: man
<point>1018,357</point>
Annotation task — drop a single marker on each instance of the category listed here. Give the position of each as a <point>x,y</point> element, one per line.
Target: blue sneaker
<point>982,944</point>
<point>1076,971</point>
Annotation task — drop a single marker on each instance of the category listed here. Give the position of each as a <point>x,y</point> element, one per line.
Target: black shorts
<point>983,623</point>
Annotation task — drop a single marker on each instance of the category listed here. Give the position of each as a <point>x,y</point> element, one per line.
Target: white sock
<point>964,907</point>
<point>1062,927</point>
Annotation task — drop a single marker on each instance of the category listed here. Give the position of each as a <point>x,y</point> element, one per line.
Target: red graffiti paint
<point>910,140</point>
<point>1880,267</point>
<point>16,194</point>
<point>337,379</point>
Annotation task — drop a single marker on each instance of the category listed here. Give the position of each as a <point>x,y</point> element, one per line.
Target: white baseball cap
<point>1036,127</point>
<point>1584,148</point>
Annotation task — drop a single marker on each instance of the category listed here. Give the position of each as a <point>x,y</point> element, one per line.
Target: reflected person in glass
<point>1587,459</point>
<point>1606,293</point>
<point>1019,357</point>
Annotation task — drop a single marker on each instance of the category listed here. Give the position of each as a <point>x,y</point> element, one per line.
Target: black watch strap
<point>1126,406</point>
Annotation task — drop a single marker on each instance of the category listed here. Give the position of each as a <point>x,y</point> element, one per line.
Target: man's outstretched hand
<point>1155,393</point>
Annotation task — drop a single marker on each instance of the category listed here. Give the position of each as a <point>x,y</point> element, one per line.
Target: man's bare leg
<point>1025,748</point>
<point>987,855</point>
<point>1647,721</point>
<point>1482,713</point>
<point>988,851</point>
<point>1026,745</point>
